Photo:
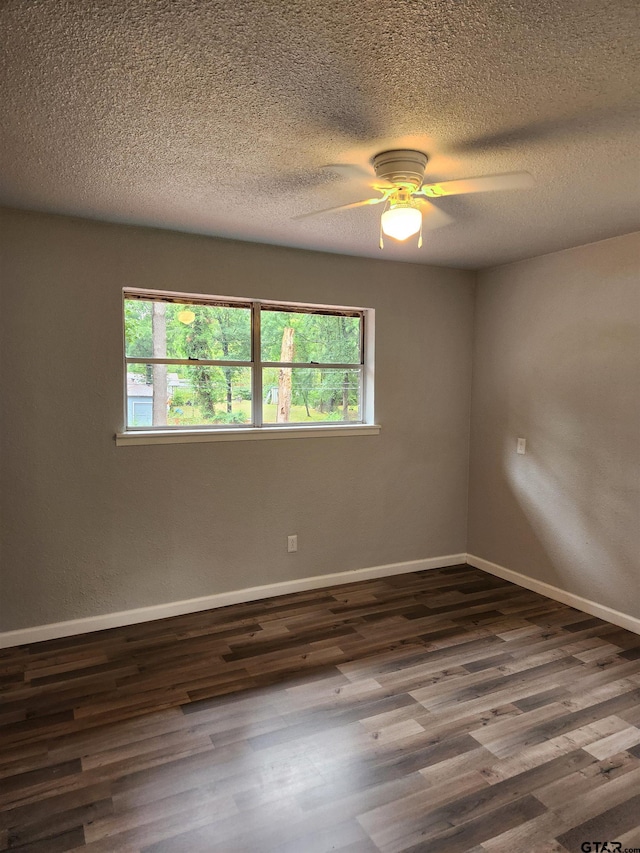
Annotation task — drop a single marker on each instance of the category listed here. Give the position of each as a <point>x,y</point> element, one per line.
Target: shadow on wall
<point>579,483</point>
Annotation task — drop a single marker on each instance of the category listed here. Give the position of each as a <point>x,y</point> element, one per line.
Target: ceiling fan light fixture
<point>401,222</point>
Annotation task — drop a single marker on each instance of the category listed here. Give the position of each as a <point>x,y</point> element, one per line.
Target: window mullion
<point>314,365</point>
<point>194,362</point>
<point>256,372</point>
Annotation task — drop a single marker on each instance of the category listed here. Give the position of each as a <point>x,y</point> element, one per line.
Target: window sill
<point>184,436</point>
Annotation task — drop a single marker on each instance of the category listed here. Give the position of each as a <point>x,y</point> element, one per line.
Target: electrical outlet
<point>292,543</point>
<point>521,446</point>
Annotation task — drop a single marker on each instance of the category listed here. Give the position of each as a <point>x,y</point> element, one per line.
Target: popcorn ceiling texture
<point>217,117</point>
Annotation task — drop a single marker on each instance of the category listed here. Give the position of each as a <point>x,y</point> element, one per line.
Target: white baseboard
<point>86,625</point>
<point>55,630</point>
<point>624,620</point>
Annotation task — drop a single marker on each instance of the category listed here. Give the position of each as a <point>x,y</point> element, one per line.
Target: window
<point>198,362</point>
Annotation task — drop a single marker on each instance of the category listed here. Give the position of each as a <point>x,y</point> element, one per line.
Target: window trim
<point>257,429</point>
<point>240,433</point>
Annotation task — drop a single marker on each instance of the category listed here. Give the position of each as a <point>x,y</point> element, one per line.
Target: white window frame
<point>256,430</point>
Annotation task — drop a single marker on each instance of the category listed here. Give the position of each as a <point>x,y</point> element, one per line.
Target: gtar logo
<point>601,847</point>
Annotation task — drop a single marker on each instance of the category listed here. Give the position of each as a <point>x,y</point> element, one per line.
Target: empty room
<point>320,426</point>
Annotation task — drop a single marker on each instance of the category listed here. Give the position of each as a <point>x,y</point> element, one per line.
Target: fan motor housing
<point>404,168</point>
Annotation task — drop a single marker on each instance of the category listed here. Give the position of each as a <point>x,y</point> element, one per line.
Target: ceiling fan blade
<point>432,216</point>
<point>355,172</point>
<point>486,183</point>
<point>343,207</point>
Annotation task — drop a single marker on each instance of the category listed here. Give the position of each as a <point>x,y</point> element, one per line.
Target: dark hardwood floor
<point>442,711</point>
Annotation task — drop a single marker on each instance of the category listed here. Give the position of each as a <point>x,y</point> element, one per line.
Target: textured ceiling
<point>217,117</point>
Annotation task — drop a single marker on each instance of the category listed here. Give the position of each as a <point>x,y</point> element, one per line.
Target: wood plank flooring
<point>440,711</point>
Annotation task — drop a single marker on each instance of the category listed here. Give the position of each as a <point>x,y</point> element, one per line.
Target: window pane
<point>310,394</point>
<point>295,336</point>
<point>173,330</point>
<point>187,395</point>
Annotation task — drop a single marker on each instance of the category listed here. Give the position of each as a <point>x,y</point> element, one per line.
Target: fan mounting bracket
<point>404,168</point>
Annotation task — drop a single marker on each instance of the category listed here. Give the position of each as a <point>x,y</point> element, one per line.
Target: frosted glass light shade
<point>401,222</point>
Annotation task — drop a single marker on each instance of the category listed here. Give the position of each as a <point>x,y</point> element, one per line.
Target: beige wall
<point>89,528</point>
<point>557,361</point>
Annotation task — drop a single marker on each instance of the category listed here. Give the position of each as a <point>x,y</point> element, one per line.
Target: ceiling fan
<point>399,180</point>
